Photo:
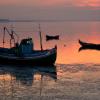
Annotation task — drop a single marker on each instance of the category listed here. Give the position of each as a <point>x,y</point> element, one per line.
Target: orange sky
<point>92,3</point>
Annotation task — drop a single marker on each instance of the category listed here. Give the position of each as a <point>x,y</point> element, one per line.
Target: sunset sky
<point>50,9</point>
<point>92,3</point>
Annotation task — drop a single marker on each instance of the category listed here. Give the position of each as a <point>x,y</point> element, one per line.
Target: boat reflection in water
<point>16,80</point>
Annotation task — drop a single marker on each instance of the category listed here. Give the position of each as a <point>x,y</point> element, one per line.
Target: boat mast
<point>3,37</point>
<point>11,34</point>
<point>40,38</point>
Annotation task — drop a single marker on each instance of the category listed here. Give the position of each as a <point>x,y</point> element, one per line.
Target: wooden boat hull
<point>48,59</point>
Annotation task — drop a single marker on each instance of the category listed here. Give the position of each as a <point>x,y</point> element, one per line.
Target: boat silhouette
<point>91,46</point>
<point>48,37</point>
<point>24,53</point>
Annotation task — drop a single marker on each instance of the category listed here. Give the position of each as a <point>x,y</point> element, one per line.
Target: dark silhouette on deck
<point>85,46</point>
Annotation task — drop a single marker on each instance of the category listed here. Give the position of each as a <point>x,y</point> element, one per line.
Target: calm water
<point>60,82</point>
<point>70,33</point>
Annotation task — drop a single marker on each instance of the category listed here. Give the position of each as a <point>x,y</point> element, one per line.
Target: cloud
<point>91,3</point>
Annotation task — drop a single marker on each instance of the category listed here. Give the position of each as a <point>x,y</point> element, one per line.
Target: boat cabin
<point>26,46</point>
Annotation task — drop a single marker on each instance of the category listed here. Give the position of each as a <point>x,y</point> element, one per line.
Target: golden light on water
<point>70,54</point>
<point>5,77</point>
<point>37,77</point>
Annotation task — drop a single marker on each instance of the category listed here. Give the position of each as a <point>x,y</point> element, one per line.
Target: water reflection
<point>27,74</point>
<point>17,81</point>
<point>60,82</point>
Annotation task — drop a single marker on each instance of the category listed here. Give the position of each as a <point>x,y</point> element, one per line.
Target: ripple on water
<point>66,82</point>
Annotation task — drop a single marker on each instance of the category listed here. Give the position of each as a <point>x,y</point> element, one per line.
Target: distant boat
<point>48,37</point>
<point>24,53</point>
<point>85,46</point>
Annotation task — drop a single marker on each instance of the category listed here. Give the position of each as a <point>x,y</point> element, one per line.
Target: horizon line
<point>45,20</point>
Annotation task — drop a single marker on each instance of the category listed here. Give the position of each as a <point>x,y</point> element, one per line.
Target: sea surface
<point>59,82</point>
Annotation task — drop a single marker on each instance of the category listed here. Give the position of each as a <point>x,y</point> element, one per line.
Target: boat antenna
<point>40,38</point>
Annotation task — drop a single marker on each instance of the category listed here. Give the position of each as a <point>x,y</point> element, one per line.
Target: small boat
<point>48,37</point>
<point>24,53</point>
<point>85,46</point>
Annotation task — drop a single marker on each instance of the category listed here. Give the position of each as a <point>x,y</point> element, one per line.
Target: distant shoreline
<point>47,20</point>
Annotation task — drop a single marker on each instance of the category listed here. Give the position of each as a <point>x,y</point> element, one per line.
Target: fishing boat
<point>24,53</point>
<point>85,46</point>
